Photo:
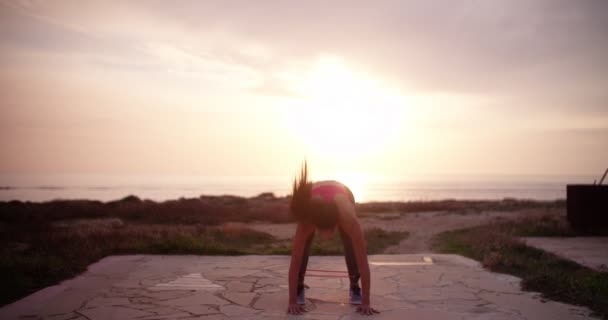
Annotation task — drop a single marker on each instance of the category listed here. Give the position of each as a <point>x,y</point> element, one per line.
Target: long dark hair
<point>320,213</point>
<point>301,194</point>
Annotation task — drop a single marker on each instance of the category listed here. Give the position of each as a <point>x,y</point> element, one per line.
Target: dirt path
<point>421,226</point>
<point>424,226</point>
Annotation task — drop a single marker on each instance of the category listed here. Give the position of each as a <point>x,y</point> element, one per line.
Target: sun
<point>343,113</point>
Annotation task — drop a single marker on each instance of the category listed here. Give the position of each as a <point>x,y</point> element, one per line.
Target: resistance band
<point>342,275</point>
<point>326,270</point>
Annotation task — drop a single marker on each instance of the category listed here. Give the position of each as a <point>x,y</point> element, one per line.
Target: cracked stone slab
<point>429,286</point>
<point>240,298</point>
<point>113,312</point>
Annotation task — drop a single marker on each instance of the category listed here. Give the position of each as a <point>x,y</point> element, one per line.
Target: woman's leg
<point>304,263</point>
<point>351,260</point>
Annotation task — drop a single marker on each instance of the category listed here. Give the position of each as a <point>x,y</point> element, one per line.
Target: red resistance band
<point>327,275</point>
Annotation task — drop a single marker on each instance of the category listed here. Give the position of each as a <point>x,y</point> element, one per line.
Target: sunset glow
<point>341,113</point>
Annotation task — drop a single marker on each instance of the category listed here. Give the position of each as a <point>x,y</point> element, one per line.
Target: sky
<point>252,88</point>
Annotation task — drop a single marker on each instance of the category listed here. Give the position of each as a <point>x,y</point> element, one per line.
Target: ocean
<point>159,188</point>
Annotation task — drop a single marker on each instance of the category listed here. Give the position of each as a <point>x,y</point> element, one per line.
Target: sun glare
<point>342,113</point>
<point>357,183</point>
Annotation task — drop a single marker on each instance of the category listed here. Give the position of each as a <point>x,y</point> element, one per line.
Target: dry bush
<point>233,229</point>
<point>458,206</point>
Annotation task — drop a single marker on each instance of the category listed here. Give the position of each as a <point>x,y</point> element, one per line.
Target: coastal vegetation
<point>44,243</point>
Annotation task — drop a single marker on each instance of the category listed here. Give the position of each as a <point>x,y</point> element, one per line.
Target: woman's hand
<point>295,308</point>
<point>365,309</point>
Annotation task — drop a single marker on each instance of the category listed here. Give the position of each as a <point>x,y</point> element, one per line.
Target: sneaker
<point>355,295</point>
<point>300,299</point>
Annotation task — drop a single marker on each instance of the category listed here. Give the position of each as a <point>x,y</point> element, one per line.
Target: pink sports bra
<point>328,191</point>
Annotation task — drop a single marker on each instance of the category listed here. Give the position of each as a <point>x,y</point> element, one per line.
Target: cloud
<point>462,45</point>
<point>471,46</point>
<point>203,66</point>
<point>540,57</point>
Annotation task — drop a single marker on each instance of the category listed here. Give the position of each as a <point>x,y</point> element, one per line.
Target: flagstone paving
<point>430,286</point>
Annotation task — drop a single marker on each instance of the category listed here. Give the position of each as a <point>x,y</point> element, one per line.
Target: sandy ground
<point>422,226</point>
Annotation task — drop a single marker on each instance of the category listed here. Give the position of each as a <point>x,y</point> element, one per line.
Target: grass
<point>497,248</point>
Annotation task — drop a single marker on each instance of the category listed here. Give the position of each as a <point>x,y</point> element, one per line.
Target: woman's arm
<point>303,231</point>
<point>351,226</point>
<point>360,249</point>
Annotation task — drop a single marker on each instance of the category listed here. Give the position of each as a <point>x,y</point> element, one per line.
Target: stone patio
<point>429,286</point>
